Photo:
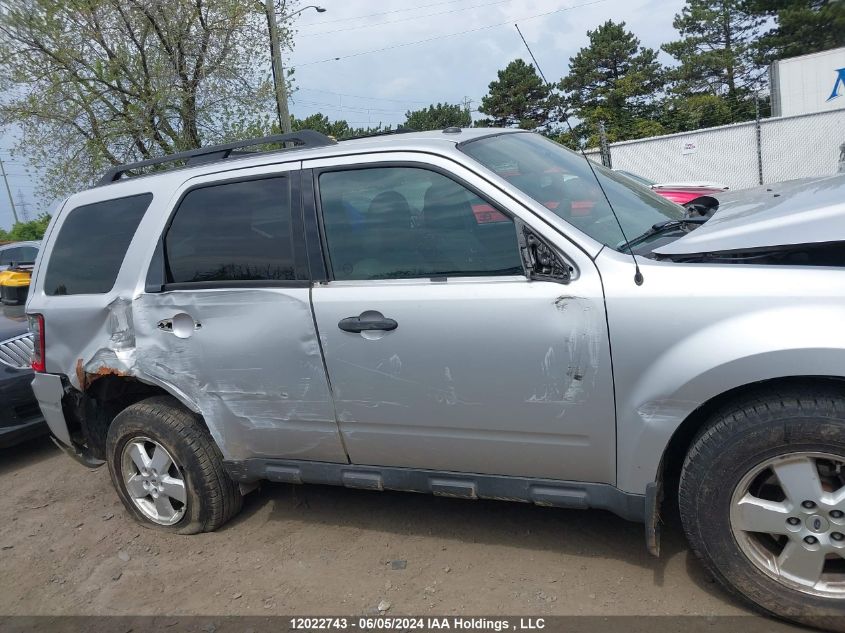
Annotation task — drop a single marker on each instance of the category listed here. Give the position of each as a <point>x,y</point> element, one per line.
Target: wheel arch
<point>109,395</point>
<point>684,435</point>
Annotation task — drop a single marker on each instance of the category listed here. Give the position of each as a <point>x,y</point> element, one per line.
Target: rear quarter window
<point>91,245</point>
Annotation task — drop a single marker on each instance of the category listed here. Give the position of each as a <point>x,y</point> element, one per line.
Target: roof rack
<point>398,130</point>
<point>303,139</point>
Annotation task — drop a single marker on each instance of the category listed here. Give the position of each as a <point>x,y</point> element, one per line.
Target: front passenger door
<point>441,353</point>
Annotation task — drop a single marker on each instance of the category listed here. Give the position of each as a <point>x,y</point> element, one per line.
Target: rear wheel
<point>167,470</point>
<point>762,499</point>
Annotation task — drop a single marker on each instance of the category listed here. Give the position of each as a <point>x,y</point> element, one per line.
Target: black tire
<point>212,497</point>
<point>738,438</point>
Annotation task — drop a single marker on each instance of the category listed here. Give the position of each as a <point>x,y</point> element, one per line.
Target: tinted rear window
<point>92,242</point>
<point>238,231</point>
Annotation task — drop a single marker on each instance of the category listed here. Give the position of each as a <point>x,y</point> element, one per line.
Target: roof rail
<point>398,130</point>
<point>212,153</point>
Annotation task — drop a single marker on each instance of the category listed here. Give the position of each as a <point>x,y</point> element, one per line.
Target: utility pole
<point>24,206</point>
<point>276,59</point>
<point>278,69</point>
<point>8,191</point>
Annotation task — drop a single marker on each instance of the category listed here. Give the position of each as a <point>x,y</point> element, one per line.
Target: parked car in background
<point>20,416</point>
<point>680,192</point>
<point>18,253</point>
<point>544,331</point>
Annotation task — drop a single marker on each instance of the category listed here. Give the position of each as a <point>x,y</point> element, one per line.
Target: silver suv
<point>471,313</point>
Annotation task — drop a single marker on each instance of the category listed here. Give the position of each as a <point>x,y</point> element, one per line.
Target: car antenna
<point>638,276</point>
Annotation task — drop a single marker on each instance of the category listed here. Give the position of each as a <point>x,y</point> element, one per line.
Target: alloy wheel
<point>154,481</point>
<point>788,517</point>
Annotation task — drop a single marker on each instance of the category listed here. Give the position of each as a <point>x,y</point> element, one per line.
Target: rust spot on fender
<point>80,374</point>
<point>87,378</point>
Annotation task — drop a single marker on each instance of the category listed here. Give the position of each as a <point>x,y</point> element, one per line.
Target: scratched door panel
<point>486,375</point>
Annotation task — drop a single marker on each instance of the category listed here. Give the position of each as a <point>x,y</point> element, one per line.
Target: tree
<point>616,80</point>
<point>24,231</point>
<point>801,27</point>
<point>716,53</point>
<point>519,98</point>
<point>94,83</point>
<point>338,129</point>
<point>437,117</point>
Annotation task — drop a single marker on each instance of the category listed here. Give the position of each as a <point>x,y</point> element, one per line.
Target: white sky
<point>388,83</point>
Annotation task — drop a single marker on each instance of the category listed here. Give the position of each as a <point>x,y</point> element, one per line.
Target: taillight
<point>36,326</point>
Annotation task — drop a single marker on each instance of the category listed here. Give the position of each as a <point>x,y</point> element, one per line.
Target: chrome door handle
<point>180,325</point>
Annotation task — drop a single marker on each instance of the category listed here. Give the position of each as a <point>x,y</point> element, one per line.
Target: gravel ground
<point>68,548</point>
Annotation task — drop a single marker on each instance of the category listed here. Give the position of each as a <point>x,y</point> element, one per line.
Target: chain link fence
<point>738,155</point>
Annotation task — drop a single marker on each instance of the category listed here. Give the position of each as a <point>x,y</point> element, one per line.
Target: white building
<point>809,83</point>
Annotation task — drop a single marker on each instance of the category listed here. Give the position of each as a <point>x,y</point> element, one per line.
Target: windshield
<point>562,181</point>
<point>640,179</point>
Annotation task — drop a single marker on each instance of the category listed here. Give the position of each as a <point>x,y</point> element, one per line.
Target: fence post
<point>604,147</point>
<point>759,137</point>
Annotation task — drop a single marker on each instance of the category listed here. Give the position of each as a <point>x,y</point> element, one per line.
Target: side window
<point>91,245</point>
<point>238,231</point>
<point>403,222</point>
<point>9,255</point>
<point>27,254</point>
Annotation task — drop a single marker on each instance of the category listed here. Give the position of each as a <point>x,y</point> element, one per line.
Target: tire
<point>725,475</point>
<point>206,497</point>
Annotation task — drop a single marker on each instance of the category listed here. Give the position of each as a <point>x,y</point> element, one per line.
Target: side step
<point>542,492</point>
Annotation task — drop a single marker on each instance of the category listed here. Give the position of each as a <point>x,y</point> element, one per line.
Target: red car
<point>678,192</point>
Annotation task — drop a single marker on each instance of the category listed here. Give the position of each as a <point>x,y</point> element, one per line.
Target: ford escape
<point>472,313</point>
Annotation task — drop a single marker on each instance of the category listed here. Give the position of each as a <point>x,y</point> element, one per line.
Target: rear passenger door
<point>227,317</point>
<point>440,352</point>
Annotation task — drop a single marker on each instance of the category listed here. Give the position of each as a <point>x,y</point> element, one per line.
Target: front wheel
<point>762,500</point>
<point>167,470</point>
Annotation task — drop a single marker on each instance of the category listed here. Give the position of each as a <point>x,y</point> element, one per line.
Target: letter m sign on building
<point>838,85</point>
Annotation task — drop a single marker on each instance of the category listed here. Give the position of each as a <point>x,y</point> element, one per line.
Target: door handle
<point>181,325</point>
<point>364,324</point>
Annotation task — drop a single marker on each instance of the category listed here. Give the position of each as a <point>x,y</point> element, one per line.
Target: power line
<point>372,15</point>
<point>351,96</point>
<point>440,37</point>
<point>415,17</point>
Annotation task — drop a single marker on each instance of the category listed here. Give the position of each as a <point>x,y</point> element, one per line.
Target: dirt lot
<point>69,548</point>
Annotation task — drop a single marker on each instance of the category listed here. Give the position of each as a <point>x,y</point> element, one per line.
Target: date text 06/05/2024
<point>410,623</point>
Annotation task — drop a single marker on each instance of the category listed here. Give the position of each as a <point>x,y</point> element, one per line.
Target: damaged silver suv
<point>471,313</point>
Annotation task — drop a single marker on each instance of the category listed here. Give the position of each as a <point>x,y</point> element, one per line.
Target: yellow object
<point>15,278</point>
<point>14,286</point>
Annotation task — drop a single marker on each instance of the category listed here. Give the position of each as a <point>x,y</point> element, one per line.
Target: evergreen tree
<point>518,98</point>
<point>437,117</point>
<point>616,80</point>
<point>801,27</point>
<point>716,54</point>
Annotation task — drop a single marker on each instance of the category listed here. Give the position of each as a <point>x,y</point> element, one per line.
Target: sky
<point>368,88</point>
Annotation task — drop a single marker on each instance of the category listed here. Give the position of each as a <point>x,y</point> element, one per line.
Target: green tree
<point>616,80</point>
<point>338,129</point>
<point>800,27</point>
<point>437,117</point>
<point>93,83</point>
<point>716,54</point>
<point>518,98</point>
<point>23,231</point>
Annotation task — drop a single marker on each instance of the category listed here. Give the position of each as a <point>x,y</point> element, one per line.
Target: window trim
<point>318,204</point>
<point>156,279</point>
